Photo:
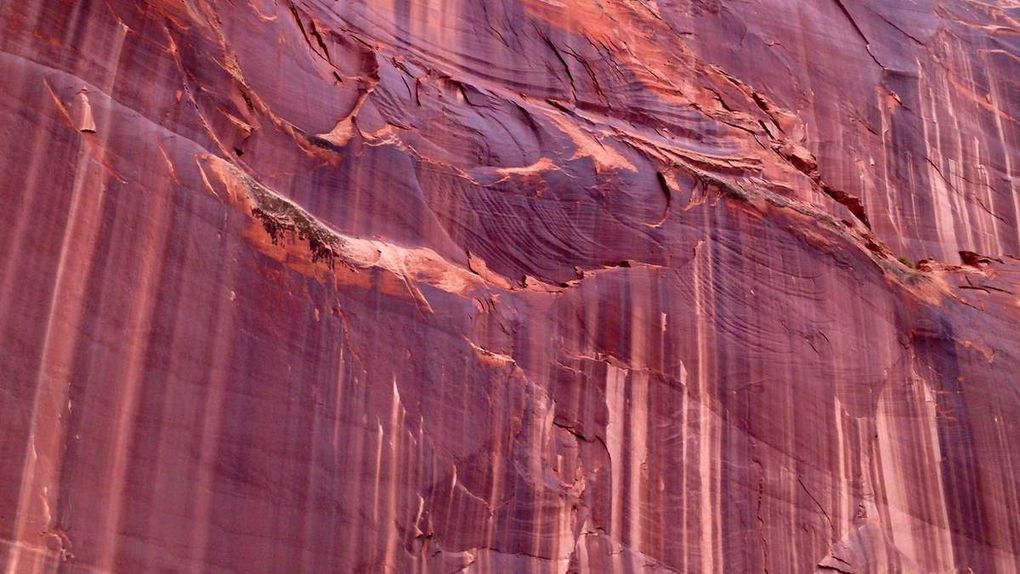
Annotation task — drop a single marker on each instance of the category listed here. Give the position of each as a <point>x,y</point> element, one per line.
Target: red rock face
<point>509,286</point>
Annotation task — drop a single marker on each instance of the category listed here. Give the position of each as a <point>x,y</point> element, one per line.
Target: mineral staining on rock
<point>509,286</point>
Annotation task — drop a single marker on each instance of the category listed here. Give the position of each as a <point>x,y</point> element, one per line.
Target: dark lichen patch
<point>284,220</point>
<point>323,245</point>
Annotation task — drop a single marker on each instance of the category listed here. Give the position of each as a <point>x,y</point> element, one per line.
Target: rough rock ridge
<point>509,286</point>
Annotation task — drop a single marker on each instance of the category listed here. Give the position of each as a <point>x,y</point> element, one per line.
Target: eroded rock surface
<point>509,286</point>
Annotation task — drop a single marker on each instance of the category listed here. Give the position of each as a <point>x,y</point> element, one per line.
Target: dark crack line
<point>815,500</point>
<point>853,22</point>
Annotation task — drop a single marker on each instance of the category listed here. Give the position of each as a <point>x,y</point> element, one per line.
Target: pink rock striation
<point>509,286</point>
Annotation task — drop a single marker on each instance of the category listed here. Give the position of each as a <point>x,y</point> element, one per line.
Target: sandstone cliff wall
<point>509,286</point>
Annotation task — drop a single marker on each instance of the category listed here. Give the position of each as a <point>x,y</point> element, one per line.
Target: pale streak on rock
<point>49,408</point>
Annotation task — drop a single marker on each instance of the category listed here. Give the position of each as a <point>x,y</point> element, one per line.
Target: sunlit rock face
<point>509,286</point>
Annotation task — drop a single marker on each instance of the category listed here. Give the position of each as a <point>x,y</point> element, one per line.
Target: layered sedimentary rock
<point>509,286</point>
